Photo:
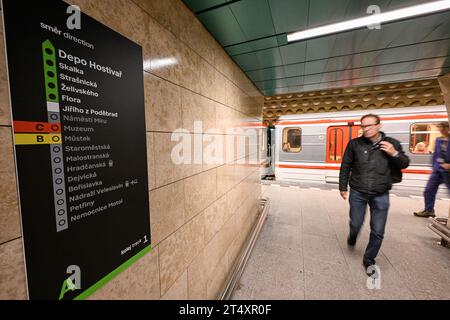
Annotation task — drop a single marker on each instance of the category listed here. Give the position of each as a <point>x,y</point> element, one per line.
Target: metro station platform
<point>301,252</point>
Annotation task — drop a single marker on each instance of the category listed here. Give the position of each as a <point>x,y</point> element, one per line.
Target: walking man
<point>371,164</point>
<point>441,166</point>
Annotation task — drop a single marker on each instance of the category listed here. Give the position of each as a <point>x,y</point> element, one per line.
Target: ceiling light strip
<point>408,12</point>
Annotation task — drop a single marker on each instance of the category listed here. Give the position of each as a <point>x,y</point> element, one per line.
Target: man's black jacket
<point>370,169</point>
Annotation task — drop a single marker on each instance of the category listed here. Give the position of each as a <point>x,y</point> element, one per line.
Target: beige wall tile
<point>112,12</point>
<point>9,208</point>
<point>223,62</point>
<point>207,79</point>
<point>231,147</point>
<point>162,104</point>
<point>6,150</point>
<point>169,13</point>
<point>215,283</point>
<point>197,37</point>
<point>233,197</point>
<point>245,215</point>
<point>175,160</point>
<point>12,271</point>
<point>234,250</point>
<point>5,113</point>
<point>233,122</point>
<point>230,95</point>
<point>228,213</point>
<point>196,278</point>
<point>219,89</point>
<point>227,234</point>
<point>215,250</point>
<point>213,151</point>
<point>242,170</point>
<point>190,71</point>
<point>200,191</point>
<point>139,282</point>
<point>164,59</point>
<point>166,210</point>
<point>179,290</point>
<point>151,166</point>
<point>252,209</point>
<point>241,80</point>
<point>208,271</point>
<point>171,59</point>
<point>188,152</point>
<point>194,238</point>
<point>215,217</point>
<point>238,77</point>
<point>166,170</point>
<point>197,108</point>
<point>179,250</point>
<point>237,97</point>
<point>225,178</point>
<point>179,20</point>
<point>172,260</point>
<point>222,117</point>
<point>196,164</point>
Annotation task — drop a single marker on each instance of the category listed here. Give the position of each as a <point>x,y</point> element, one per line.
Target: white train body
<point>319,160</point>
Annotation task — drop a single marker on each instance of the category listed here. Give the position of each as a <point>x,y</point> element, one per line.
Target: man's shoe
<point>367,265</point>
<point>351,241</point>
<point>424,214</point>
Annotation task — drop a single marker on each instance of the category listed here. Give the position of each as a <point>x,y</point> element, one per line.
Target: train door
<point>269,171</point>
<point>338,138</point>
<point>272,150</point>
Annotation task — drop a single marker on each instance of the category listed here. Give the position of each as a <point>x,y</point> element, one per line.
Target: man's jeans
<point>379,206</point>
<point>436,179</point>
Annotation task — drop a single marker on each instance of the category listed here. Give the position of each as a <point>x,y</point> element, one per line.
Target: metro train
<point>310,147</point>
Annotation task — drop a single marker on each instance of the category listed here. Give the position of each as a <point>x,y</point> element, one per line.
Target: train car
<point>310,147</point>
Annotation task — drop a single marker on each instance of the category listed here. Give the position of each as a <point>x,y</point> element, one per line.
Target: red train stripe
<point>36,127</point>
<point>417,171</point>
<point>293,166</point>
<point>324,121</point>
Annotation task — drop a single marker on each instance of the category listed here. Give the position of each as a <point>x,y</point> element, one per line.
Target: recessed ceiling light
<point>408,12</point>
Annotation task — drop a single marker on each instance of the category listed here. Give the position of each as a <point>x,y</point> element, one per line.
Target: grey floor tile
<point>322,248</point>
<point>319,227</point>
<point>279,286</point>
<point>320,287</point>
<point>339,269</point>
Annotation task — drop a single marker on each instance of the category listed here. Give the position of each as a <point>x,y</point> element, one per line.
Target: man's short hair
<point>371,115</point>
<point>443,124</point>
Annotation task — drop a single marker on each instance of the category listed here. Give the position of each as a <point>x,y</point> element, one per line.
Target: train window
<point>292,140</point>
<point>423,137</point>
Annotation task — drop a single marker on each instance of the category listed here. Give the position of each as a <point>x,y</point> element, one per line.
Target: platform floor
<point>301,252</point>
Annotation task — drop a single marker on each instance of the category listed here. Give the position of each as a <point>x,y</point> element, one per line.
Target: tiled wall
<point>200,213</point>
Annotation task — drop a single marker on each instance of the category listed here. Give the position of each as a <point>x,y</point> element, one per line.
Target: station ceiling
<point>254,33</point>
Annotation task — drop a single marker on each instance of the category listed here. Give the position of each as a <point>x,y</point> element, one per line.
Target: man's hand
<point>344,194</point>
<point>446,166</point>
<point>388,148</point>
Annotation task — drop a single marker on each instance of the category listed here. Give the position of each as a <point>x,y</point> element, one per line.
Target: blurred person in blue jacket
<point>441,171</point>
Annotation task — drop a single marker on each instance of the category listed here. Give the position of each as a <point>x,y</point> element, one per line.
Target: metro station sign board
<point>77,98</point>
